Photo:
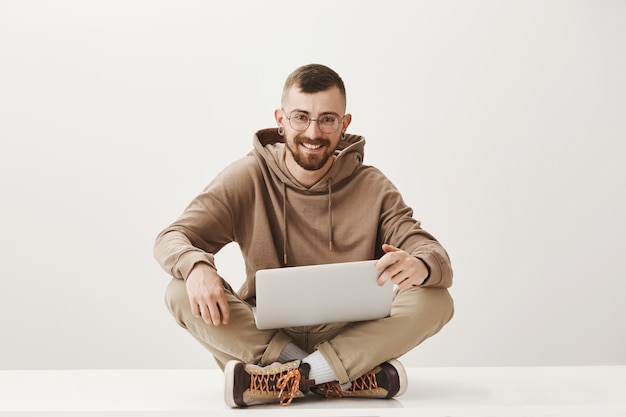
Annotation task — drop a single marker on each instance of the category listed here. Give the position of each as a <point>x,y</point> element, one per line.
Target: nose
<point>314,129</point>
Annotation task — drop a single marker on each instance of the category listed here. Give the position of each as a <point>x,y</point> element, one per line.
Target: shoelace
<point>288,383</point>
<point>291,382</point>
<point>332,390</point>
<point>367,382</point>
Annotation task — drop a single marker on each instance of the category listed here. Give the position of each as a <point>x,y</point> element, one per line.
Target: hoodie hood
<point>269,149</point>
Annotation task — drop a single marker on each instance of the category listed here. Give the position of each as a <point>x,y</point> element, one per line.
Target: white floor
<point>432,392</point>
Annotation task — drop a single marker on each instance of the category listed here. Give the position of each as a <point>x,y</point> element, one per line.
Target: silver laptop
<point>319,294</point>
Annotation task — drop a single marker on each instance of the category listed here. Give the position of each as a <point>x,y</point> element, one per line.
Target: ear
<point>280,117</point>
<point>346,122</point>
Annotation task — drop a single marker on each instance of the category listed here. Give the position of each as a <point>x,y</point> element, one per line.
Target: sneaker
<point>247,384</point>
<point>385,381</point>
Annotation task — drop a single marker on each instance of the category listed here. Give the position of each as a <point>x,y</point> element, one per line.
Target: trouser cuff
<point>333,360</point>
<point>274,348</point>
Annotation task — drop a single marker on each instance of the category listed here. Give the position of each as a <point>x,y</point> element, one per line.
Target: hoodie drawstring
<point>330,219</point>
<point>285,224</point>
<point>330,215</point>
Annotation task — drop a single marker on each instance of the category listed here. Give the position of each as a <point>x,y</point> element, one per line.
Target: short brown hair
<point>313,78</point>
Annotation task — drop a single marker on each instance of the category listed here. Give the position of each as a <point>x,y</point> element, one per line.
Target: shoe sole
<point>404,381</point>
<point>229,384</point>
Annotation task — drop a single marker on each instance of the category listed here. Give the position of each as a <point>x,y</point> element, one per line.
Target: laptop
<point>320,294</point>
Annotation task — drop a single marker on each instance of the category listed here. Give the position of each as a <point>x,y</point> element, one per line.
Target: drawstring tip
<point>284,258</point>
<point>330,245</point>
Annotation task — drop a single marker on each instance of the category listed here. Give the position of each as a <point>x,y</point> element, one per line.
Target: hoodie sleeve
<point>439,267</point>
<point>401,229</point>
<point>200,232</point>
<point>207,224</point>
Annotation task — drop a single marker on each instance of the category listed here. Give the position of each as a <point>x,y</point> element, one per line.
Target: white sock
<point>291,352</point>
<point>321,371</point>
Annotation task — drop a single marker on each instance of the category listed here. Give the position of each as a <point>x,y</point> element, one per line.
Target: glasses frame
<point>288,117</point>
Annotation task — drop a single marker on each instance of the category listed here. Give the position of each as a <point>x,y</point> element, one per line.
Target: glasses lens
<point>328,123</point>
<point>299,121</point>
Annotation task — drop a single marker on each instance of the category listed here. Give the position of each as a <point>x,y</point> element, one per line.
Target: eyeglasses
<point>300,121</point>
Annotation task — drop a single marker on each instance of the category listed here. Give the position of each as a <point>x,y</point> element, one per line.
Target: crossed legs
<point>351,349</point>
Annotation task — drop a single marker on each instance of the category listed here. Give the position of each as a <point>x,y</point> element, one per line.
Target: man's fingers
<point>389,248</point>
<point>401,280</point>
<point>215,315</point>
<point>225,311</point>
<point>205,313</point>
<point>206,295</point>
<point>400,268</point>
<point>195,310</point>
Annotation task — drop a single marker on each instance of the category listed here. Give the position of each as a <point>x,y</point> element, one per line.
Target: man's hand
<point>206,295</point>
<point>403,269</point>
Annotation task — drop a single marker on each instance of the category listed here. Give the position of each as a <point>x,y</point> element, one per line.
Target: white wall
<point>502,122</point>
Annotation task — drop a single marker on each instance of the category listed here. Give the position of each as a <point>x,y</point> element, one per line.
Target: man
<point>303,196</point>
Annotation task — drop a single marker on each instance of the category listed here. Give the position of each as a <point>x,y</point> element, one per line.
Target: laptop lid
<point>319,294</point>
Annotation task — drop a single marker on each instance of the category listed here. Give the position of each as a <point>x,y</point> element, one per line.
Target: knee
<point>449,305</point>
<point>441,302</point>
<point>176,300</point>
<point>425,305</point>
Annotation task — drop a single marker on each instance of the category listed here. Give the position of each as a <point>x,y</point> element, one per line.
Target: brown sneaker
<point>247,384</point>
<point>385,381</point>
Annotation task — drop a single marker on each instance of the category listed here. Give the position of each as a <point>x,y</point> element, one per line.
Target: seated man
<point>303,196</point>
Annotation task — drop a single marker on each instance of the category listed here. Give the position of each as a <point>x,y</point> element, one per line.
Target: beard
<point>308,161</point>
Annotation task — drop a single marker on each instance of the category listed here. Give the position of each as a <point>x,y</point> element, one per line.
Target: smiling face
<point>310,152</point>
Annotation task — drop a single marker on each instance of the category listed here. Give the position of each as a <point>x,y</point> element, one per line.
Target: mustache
<point>316,141</point>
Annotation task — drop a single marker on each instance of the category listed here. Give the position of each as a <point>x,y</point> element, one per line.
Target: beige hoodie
<point>276,222</point>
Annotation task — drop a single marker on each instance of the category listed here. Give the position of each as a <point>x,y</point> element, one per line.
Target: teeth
<point>310,146</point>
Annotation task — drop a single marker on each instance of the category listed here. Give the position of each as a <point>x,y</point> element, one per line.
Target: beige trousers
<point>351,349</point>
